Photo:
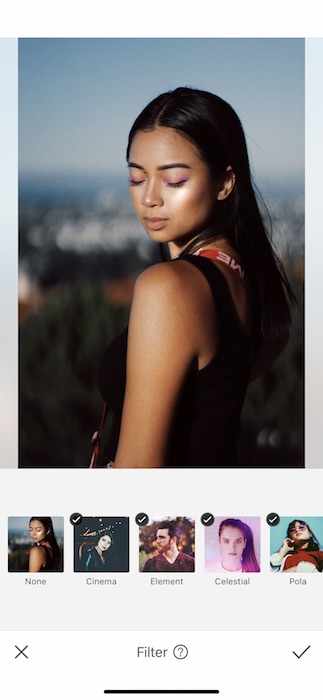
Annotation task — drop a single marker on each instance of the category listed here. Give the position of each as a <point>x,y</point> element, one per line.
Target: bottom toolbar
<point>87,666</point>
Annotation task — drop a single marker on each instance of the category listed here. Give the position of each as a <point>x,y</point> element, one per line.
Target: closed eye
<point>180,183</point>
<point>133,183</point>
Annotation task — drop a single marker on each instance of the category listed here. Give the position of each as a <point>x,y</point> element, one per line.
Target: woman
<point>45,555</point>
<point>211,317</point>
<point>237,548</point>
<point>96,555</point>
<point>300,551</point>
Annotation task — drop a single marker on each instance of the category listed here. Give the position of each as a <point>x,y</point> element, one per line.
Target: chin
<point>158,236</point>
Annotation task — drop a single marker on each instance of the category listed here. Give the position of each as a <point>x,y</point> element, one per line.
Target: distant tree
<point>60,347</point>
<point>273,414</point>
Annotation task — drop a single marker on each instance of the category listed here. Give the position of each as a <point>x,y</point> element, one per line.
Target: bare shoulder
<point>178,284</point>
<point>37,555</point>
<point>165,274</point>
<point>172,309</point>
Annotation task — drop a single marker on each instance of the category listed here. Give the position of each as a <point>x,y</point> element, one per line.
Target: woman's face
<point>300,533</point>
<point>232,543</point>
<point>172,190</point>
<point>104,543</point>
<point>37,531</point>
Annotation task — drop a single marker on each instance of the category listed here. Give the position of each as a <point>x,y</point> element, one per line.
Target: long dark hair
<point>313,543</point>
<point>214,128</point>
<point>91,541</point>
<point>50,537</point>
<point>249,559</point>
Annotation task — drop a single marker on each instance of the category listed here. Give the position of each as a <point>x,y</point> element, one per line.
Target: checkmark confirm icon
<point>303,652</point>
<point>207,519</point>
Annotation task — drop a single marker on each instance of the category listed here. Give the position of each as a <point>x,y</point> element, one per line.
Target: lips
<point>154,223</point>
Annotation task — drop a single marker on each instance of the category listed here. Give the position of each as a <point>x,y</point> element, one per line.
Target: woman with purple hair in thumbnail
<point>237,549</point>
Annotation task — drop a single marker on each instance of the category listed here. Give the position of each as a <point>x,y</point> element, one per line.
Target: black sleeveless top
<point>207,424</point>
<point>49,566</point>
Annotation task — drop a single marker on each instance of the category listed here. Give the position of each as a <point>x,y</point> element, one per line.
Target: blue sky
<point>79,97</point>
<point>19,524</point>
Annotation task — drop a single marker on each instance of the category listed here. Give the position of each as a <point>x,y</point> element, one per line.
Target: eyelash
<point>176,184</point>
<point>135,183</point>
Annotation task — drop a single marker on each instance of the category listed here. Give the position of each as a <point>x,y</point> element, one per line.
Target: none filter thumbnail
<point>232,545</point>
<point>35,543</point>
<point>101,544</point>
<point>167,545</point>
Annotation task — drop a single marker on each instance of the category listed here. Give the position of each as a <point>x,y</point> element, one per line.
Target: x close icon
<point>21,652</point>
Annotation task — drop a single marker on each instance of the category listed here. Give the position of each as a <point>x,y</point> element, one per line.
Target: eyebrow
<point>162,167</point>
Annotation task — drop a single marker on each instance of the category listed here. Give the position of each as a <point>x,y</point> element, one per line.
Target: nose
<point>151,196</point>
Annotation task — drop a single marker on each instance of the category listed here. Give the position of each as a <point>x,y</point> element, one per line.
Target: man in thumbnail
<point>169,558</point>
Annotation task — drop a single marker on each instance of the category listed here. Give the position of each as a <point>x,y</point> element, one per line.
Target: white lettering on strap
<point>224,257</point>
<point>237,267</point>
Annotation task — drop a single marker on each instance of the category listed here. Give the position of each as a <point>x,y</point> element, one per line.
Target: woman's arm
<point>37,559</point>
<point>286,548</point>
<point>162,345</point>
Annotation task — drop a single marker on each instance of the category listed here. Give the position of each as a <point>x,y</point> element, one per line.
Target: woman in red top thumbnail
<point>300,551</point>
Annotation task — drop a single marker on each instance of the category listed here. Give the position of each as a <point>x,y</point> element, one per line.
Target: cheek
<point>134,197</point>
<point>189,200</point>
<point>200,204</point>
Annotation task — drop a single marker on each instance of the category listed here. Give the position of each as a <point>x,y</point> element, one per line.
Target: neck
<point>232,565</point>
<point>171,554</point>
<point>175,249</point>
<point>300,546</point>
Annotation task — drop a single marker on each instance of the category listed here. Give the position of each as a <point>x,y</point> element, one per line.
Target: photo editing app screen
<point>160,502</point>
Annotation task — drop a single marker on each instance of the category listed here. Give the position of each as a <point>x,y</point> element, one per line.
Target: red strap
<point>226,259</point>
<point>96,437</point>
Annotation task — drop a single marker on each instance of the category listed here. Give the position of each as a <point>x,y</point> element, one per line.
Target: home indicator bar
<point>162,692</point>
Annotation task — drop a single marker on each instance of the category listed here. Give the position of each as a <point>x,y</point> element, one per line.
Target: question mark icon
<point>180,651</point>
